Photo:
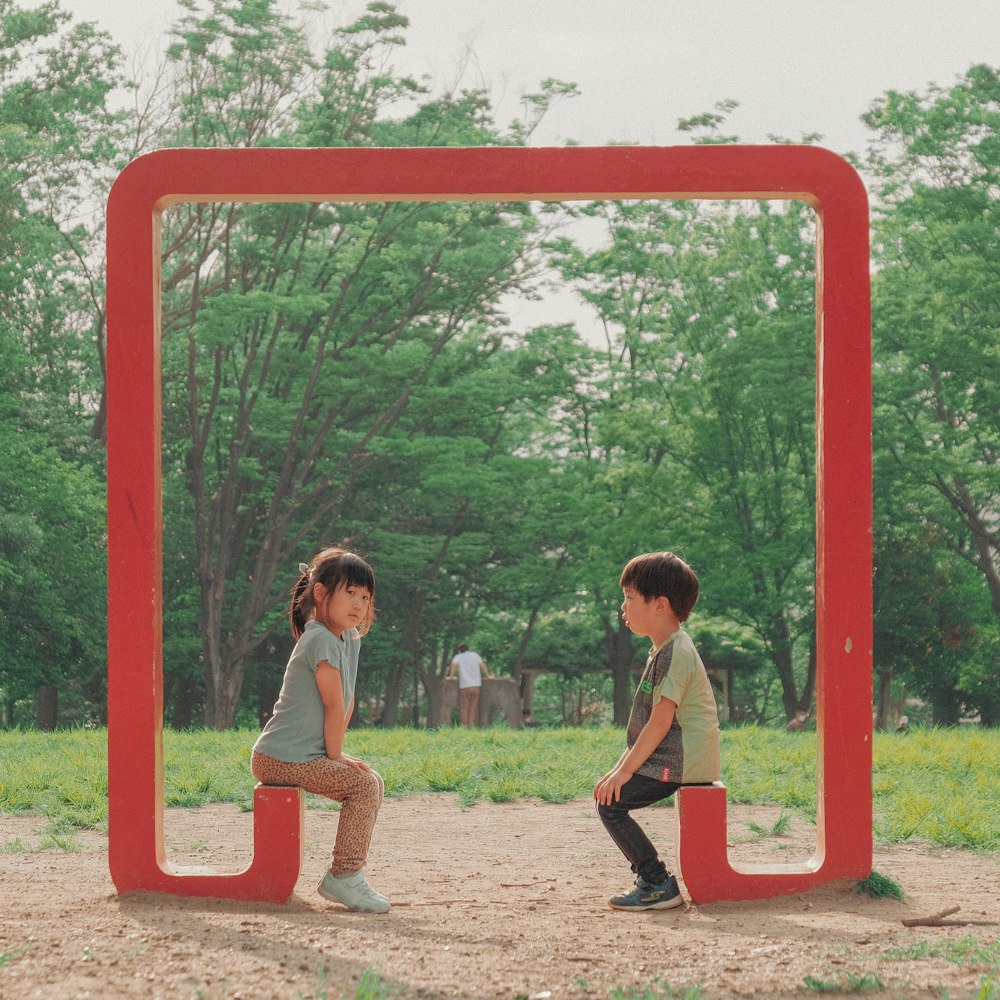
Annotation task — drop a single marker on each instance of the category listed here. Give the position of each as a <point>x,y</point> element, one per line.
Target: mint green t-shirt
<point>294,733</point>
<point>689,753</point>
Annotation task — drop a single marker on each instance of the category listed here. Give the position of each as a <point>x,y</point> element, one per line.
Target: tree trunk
<point>47,715</point>
<point>622,660</point>
<point>223,683</point>
<point>780,643</point>
<point>393,695</point>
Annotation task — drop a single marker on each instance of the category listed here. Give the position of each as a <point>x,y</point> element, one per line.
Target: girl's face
<point>344,608</point>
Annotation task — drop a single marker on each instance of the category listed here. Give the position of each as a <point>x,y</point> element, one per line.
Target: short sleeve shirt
<point>470,672</point>
<point>689,753</point>
<point>294,733</point>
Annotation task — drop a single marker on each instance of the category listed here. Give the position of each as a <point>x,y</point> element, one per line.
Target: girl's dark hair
<point>333,567</point>
<point>662,574</point>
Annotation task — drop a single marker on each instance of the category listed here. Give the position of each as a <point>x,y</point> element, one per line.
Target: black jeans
<point>637,793</point>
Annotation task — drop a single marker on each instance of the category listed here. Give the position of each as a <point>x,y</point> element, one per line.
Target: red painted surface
<point>843,539</point>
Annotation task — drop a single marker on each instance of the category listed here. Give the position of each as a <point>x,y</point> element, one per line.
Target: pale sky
<point>795,66</point>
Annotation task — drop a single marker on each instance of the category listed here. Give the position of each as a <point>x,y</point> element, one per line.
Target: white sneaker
<point>353,891</point>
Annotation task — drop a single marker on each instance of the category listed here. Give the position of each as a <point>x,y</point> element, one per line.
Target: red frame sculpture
<point>843,457</point>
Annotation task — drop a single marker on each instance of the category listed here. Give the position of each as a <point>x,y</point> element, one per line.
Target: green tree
<point>299,339</point>
<point>57,151</point>
<point>705,411</point>
<point>936,159</point>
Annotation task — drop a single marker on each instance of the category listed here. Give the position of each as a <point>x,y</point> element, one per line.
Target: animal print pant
<point>359,792</point>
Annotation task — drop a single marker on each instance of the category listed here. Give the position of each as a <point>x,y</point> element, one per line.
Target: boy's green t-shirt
<point>689,753</point>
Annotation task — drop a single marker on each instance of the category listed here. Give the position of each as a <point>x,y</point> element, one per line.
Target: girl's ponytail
<point>298,614</point>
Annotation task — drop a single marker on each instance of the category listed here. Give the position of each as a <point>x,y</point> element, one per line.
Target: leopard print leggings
<point>359,792</point>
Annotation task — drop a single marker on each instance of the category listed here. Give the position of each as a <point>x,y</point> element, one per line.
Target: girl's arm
<point>609,788</point>
<point>331,691</point>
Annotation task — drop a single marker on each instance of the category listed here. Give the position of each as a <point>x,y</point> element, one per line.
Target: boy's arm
<point>609,788</point>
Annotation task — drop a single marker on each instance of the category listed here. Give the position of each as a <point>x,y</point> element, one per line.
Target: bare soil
<point>491,901</point>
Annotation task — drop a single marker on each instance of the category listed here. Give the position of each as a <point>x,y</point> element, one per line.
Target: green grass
<point>848,983</point>
<point>967,951</point>
<point>879,887</point>
<point>658,990</point>
<point>935,784</point>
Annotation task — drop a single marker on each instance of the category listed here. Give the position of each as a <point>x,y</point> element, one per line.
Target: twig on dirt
<point>525,885</point>
<point>439,902</point>
<point>938,920</point>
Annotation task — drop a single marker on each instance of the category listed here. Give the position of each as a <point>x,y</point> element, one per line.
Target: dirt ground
<point>492,901</point>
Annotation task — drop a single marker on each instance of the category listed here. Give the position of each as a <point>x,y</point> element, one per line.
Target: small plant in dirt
<point>850,983</point>
<point>967,951</point>
<point>879,887</point>
<point>657,990</point>
<point>779,828</point>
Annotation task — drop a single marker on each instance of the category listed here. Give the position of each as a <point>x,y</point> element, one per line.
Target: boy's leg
<point>637,793</point>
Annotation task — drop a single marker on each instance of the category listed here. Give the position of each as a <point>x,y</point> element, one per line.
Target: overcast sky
<point>795,66</point>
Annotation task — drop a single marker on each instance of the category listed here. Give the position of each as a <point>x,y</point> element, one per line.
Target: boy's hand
<point>609,788</point>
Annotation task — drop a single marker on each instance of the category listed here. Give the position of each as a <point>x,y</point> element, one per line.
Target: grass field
<point>936,785</point>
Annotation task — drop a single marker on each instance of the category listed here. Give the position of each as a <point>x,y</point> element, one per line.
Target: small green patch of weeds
<point>12,956</point>
<point>967,951</point>
<point>986,991</point>
<point>879,887</point>
<point>779,828</point>
<point>445,774</point>
<point>59,841</point>
<point>850,983</point>
<point>371,986</point>
<point>15,846</point>
<point>657,990</point>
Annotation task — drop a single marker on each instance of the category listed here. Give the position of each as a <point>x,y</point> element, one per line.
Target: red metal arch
<point>843,539</point>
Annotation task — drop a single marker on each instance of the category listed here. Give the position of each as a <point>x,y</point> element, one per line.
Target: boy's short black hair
<point>662,574</point>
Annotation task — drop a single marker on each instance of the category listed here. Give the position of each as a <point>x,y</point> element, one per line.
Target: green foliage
<point>657,990</point>
<point>779,828</point>
<point>347,371</point>
<point>63,775</point>
<point>849,982</point>
<point>879,886</point>
<point>967,951</point>
<point>937,165</point>
<point>936,784</point>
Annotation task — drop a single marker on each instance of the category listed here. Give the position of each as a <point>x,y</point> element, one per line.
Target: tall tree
<point>704,426</point>
<point>57,150</point>
<point>297,337</point>
<point>936,159</point>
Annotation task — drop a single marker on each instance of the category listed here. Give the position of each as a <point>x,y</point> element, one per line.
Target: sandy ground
<point>493,901</point>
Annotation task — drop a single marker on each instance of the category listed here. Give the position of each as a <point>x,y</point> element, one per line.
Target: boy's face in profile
<point>638,613</point>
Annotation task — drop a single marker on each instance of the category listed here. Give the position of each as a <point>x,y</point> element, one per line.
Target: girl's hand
<point>355,762</point>
<point>609,788</point>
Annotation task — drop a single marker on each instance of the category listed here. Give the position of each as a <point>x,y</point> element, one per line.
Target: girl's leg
<point>637,793</point>
<point>359,792</point>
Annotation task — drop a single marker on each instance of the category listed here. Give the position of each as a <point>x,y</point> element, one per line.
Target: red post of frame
<point>843,459</point>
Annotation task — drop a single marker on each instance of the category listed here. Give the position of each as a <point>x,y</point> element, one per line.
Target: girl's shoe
<point>353,891</point>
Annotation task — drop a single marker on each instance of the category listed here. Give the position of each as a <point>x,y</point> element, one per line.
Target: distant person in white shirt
<point>471,671</point>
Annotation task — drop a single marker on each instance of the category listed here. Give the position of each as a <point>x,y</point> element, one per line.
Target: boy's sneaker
<point>353,891</point>
<point>649,896</point>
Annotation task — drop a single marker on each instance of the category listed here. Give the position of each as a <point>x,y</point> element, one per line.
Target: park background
<point>380,374</point>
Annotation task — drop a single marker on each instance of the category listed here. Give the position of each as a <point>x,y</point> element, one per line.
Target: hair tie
<point>304,569</point>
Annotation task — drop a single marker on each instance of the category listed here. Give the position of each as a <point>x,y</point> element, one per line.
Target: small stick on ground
<point>938,920</point>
